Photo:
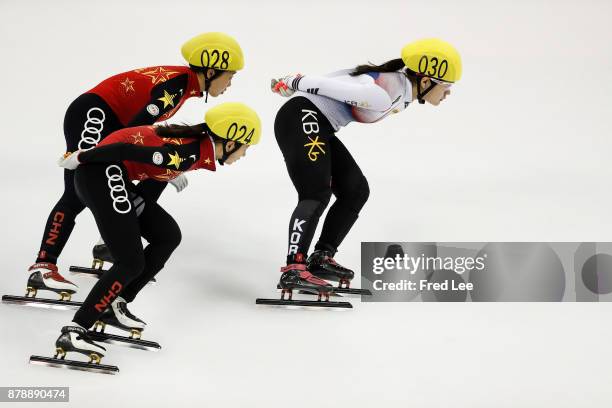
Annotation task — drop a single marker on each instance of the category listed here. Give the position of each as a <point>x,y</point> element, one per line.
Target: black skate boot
<point>76,339</point>
<point>322,264</point>
<point>101,254</point>
<point>295,276</point>
<point>117,315</point>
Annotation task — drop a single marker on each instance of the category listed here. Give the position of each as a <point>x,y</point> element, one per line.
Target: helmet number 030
<point>233,133</point>
<point>214,59</point>
<point>437,69</point>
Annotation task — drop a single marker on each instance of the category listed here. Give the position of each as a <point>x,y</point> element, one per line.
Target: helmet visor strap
<point>227,153</point>
<point>421,93</point>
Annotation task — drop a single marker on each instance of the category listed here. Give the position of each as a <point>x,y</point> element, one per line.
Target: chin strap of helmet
<point>227,153</point>
<point>208,81</point>
<point>421,93</point>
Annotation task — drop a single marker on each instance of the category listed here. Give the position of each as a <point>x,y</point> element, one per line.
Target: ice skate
<point>297,277</point>
<point>44,276</point>
<point>101,254</point>
<point>117,315</point>
<point>322,265</point>
<point>75,339</point>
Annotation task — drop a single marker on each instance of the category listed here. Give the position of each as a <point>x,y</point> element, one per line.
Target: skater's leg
<point>151,189</point>
<point>60,222</point>
<point>303,134</point>
<point>351,190</point>
<point>102,188</point>
<point>163,235</point>
<point>87,121</point>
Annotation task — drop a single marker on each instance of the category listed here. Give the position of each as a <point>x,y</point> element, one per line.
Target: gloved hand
<point>180,182</point>
<point>282,86</point>
<point>70,160</point>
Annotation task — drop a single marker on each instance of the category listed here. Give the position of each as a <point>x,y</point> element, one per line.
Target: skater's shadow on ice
<point>227,279</point>
<point>224,285</point>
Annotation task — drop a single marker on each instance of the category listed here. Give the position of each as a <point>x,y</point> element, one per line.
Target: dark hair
<point>176,131</point>
<point>389,66</point>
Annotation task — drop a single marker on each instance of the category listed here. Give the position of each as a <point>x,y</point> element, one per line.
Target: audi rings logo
<point>92,131</point>
<point>118,192</point>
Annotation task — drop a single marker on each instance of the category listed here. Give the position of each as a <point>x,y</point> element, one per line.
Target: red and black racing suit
<point>139,97</point>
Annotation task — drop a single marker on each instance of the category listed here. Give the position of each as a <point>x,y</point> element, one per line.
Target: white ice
<point>520,151</point>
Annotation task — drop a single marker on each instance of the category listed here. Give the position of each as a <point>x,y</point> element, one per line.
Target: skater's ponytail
<point>393,65</point>
<point>177,131</point>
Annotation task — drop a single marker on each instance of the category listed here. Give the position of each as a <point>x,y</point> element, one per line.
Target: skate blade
<point>304,303</point>
<point>95,273</point>
<point>124,341</point>
<point>42,302</point>
<point>74,365</point>
<point>305,292</point>
<point>351,291</point>
<point>336,291</point>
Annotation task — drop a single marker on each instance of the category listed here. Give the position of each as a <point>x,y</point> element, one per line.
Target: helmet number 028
<point>437,69</point>
<point>233,133</point>
<point>214,59</point>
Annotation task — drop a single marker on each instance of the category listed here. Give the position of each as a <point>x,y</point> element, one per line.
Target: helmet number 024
<point>214,59</point>
<point>437,69</point>
<point>233,133</point>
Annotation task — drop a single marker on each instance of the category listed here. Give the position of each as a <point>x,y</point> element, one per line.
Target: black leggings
<point>88,120</point>
<point>319,165</point>
<point>105,189</point>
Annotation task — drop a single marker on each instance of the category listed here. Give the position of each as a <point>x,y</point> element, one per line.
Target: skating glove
<point>179,182</point>
<point>284,86</point>
<point>69,160</point>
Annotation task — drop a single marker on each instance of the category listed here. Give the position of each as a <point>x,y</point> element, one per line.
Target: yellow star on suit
<point>167,99</point>
<point>175,160</point>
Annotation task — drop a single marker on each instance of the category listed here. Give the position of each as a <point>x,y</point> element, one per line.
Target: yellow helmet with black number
<point>433,58</point>
<point>213,50</point>
<point>234,121</point>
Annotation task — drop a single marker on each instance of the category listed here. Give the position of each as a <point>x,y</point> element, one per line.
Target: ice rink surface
<point>519,152</point>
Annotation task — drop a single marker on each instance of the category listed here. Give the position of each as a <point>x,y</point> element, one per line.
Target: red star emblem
<point>138,138</point>
<point>128,85</point>
<point>157,75</point>
<point>172,140</point>
<point>168,175</point>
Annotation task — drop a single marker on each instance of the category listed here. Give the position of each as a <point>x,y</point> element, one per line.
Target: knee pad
<point>315,203</point>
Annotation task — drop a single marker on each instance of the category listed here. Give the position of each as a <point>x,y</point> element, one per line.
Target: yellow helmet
<point>234,121</point>
<point>213,50</point>
<point>433,58</point>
